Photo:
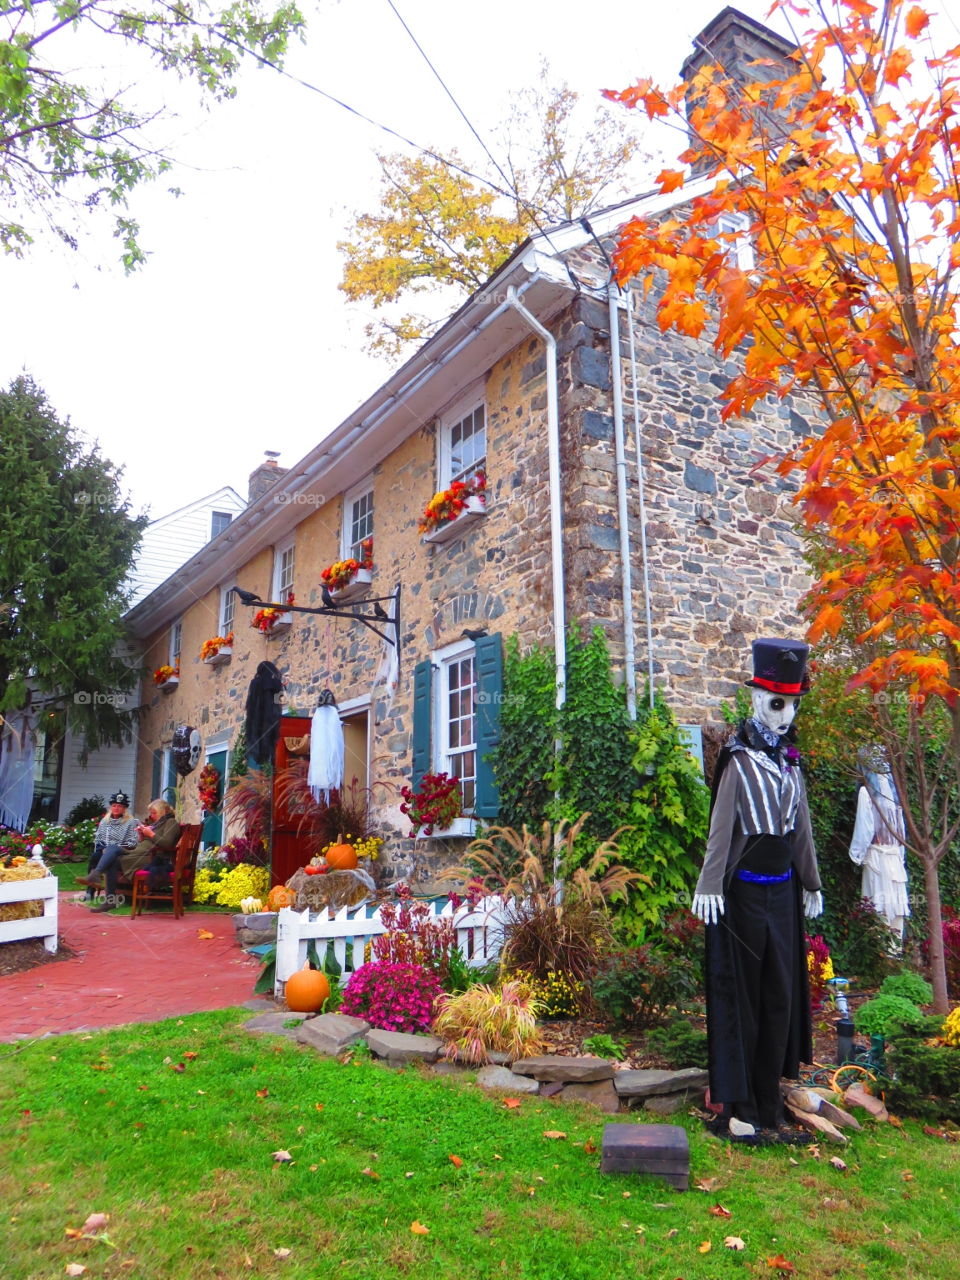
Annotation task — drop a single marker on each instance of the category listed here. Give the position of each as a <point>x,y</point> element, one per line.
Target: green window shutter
<point>422,762</point>
<point>489,677</point>
<point>156,775</point>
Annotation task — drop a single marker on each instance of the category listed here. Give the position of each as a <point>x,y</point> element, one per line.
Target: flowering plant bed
<point>166,677</point>
<point>217,650</point>
<point>462,504</point>
<point>435,803</point>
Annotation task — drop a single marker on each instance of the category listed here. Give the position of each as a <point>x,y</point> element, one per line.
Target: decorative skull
<point>187,747</point>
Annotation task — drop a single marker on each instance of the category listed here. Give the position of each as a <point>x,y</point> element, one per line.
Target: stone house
<point>615,496</point>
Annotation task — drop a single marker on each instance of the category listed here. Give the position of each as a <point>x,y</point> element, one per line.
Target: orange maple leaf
<point>917,21</point>
<point>780,1263</point>
<point>511,1102</point>
<point>455,1161</point>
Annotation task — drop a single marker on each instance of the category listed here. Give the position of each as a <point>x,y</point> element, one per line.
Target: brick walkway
<point>127,970</point>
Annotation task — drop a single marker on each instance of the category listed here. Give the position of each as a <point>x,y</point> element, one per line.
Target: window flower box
<point>219,657</point>
<point>217,650</point>
<point>357,586</point>
<point>272,622</point>
<point>166,677</point>
<point>168,685</point>
<point>473,510</point>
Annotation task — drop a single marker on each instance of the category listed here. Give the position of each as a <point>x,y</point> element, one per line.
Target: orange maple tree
<point>844,172</point>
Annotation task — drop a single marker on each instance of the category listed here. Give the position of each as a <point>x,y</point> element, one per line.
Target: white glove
<point>812,903</point>
<point>707,907</point>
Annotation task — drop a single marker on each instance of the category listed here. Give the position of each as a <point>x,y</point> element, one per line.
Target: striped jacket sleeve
<point>723,819</point>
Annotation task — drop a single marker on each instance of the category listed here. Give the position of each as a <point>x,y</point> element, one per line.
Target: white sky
<point>235,339</point>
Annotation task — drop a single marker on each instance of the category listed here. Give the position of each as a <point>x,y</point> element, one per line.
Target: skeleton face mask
<point>775,710</point>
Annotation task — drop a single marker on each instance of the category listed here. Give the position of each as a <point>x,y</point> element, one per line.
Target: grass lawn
<point>170,1129</point>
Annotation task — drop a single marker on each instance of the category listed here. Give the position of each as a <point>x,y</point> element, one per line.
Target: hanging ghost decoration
<point>186,749</point>
<point>326,750</point>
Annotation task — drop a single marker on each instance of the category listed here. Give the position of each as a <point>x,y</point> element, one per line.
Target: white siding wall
<point>172,540</point>
<point>107,770</point>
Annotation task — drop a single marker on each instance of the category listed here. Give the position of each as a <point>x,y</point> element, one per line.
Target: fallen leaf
<point>496,1157</point>
<point>705,1247</point>
<point>838,1163</point>
<point>282,1157</point>
<point>455,1161</point>
<point>895,1121</point>
<point>142,1088</point>
<point>708,1184</point>
<point>590,1147</point>
<point>792,1161</point>
<point>733,1242</point>
<point>177,1066</point>
<point>318,1105</point>
<point>96,1222</point>
<point>263,1093</point>
<point>72,1233</point>
<point>625,1194</point>
<point>281,1253</point>
<point>247,1260</point>
<point>74,1269</point>
<point>719,1211</point>
<point>780,1263</point>
<point>674,1231</point>
<point>190,1055</point>
<point>511,1102</point>
<point>554,1133</point>
<point>408,1175</point>
<point>907,1176</point>
<point>419,1229</point>
<point>206,935</point>
<point>370,1173</point>
<point>814,1150</point>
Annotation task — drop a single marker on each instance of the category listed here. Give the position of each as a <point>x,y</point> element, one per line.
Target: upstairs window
<point>740,247</point>
<point>282,572</point>
<point>463,442</point>
<point>218,522</point>
<point>176,642</point>
<point>357,520</point>
<point>227,607</point>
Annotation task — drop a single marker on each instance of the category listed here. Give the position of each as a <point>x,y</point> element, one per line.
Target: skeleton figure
<point>760,866</point>
<point>877,843</point>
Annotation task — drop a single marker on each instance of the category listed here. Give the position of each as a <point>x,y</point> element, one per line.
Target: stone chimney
<point>264,477</point>
<point>733,41</point>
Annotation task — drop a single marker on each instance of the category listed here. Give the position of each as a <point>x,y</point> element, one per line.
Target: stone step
<point>648,1083</point>
<point>398,1047</point>
<point>568,1069</point>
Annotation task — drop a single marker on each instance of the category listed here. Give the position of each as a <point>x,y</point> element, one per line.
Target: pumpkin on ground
<point>342,857</point>
<point>306,990</point>
<point>280,896</point>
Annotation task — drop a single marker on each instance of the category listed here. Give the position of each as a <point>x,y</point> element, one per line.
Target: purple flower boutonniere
<point>791,754</point>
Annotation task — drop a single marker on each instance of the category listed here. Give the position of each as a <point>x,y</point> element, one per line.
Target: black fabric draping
<point>263,714</point>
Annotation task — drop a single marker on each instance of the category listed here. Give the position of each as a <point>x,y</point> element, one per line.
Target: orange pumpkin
<point>280,896</point>
<point>341,857</point>
<point>306,990</point>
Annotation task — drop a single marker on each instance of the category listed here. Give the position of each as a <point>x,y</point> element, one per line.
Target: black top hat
<point>120,797</point>
<point>780,666</point>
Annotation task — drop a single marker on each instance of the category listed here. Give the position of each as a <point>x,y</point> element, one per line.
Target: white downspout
<point>638,434</point>
<point>556,503</point>
<point>626,574</point>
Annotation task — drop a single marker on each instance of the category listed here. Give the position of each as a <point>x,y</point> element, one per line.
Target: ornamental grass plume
<point>486,1019</point>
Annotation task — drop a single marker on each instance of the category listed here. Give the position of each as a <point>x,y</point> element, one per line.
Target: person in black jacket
<point>263,714</point>
<point>759,878</point>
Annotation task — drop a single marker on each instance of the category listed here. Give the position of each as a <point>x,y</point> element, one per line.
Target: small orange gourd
<point>306,990</point>
<point>341,857</point>
<point>280,896</point>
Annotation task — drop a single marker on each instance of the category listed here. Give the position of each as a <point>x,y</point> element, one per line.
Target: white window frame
<point>228,514</point>
<point>228,605</point>
<point>460,409</point>
<point>280,592</point>
<point>442,660</point>
<point>176,643</point>
<point>740,251</point>
<point>350,498</point>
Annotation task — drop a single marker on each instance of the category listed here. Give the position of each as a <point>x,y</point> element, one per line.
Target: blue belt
<point>753,877</point>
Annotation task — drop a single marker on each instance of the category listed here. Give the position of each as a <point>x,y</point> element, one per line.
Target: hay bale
<point>21,910</point>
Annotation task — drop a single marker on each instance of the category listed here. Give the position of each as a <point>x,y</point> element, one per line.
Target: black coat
<point>263,714</point>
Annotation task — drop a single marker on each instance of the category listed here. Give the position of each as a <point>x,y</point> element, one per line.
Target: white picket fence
<point>44,926</point>
<point>479,932</point>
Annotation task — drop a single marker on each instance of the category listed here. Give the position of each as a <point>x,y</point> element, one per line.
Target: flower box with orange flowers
<point>273,622</point>
<point>218,650</point>
<point>452,511</point>
<point>166,677</point>
<point>347,579</point>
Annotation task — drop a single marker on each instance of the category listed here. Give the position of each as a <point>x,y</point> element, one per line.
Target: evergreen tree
<point>66,544</point>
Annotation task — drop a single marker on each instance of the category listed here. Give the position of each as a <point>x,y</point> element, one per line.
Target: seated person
<point>154,853</point>
<point>116,834</point>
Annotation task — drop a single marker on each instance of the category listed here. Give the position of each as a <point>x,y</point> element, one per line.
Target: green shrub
<point>639,986</point>
<point>88,807</point>
<point>909,985</point>
<point>679,1044</point>
<point>926,1079</point>
<point>605,1046</point>
<point>860,944</point>
<point>881,1015</point>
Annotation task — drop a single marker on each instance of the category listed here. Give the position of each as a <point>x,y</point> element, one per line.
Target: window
<point>227,606</point>
<point>176,642</point>
<point>357,520</point>
<point>740,250</point>
<point>457,726</point>
<point>463,442</point>
<point>282,572</point>
<point>219,521</point>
